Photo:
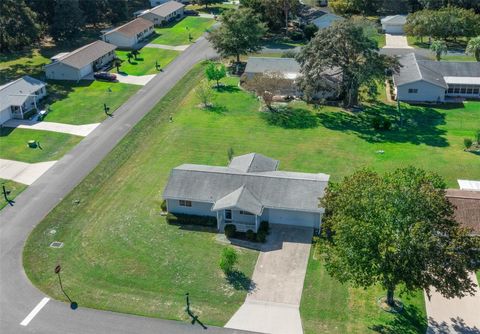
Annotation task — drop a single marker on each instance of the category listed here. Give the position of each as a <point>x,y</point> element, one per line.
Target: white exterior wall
<point>59,71</point>
<point>197,208</point>
<point>237,217</point>
<point>289,217</point>
<point>155,19</point>
<point>426,92</point>
<point>5,115</point>
<point>119,40</point>
<point>393,29</point>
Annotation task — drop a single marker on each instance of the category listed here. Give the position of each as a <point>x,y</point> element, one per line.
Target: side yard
<point>146,61</point>
<point>178,33</point>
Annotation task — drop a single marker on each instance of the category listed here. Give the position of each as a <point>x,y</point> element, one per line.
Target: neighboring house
<point>433,81</point>
<point>155,3</point>
<point>326,20</point>
<point>164,13</point>
<point>19,98</point>
<point>129,35</point>
<point>394,24</point>
<point>467,208</point>
<point>81,62</point>
<point>248,191</point>
<point>290,69</point>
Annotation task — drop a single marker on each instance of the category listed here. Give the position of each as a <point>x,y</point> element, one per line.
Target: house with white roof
<point>434,81</point>
<point>164,13</point>
<point>249,190</point>
<point>393,24</point>
<point>81,62</point>
<point>19,98</point>
<point>129,35</point>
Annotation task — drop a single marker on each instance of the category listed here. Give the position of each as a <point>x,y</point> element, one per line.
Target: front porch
<point>242,220</point>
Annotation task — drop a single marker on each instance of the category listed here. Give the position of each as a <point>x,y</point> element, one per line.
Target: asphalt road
<point>18,297</point>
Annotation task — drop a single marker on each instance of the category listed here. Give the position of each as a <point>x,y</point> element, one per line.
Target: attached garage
<point>394,24</point>
<point>5,115</point>
<point>296,218</point>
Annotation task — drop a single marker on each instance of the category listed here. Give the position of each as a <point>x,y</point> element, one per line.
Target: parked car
<point>105,76</point>
<point>191,13</point>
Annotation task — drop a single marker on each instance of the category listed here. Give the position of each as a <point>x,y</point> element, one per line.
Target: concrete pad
<point>77,130</point>
<point>456,315</point>
<point>134,80</point>
<point>168,47</point>
<point>396,42</point>
<point>23,172</point>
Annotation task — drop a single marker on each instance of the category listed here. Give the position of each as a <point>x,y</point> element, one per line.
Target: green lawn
<point>215,9</point>
<point>15,189</point>
<point>53,145</point>
<point>82,103</point>
<point>119,253</point>
<point>145,62</point>
<point>177,34</point>
<point>458,58</point>
<point>328,306</point>
<point>13,66</point>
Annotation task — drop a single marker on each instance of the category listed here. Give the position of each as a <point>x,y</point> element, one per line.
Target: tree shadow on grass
<point>217,109</point>
<point>410,320</point>
<point>239,281</point>
<point>416,125</point>
<point>227,89</point>
<point>291,118</point>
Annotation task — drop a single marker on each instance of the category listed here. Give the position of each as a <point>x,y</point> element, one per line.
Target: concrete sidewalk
<point>23,172</point>
<point>273,304</point>
<point>168,47</point>
<point>456,315</point>
<point>77,130</point>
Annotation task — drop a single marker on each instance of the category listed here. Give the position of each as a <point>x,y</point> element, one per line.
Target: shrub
<point>295,35</point>
<point>467,142</point>
<point>163,206</point>
<point>264,226</point>
<point>228,260</point>
<point>309,30</point>
<point>261,236</point>
<point>183,219</point>
<point>289,54</point>
<point>250,235</point>
<point>381,123</point>
<point>230,230</point>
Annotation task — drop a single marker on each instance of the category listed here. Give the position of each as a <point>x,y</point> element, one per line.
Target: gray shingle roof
<point>133,27</point>
<point>413,71</point>
<point>86,54</point>
<point>167,8</point>
<point>242,199</point>
<point>266,64</point>
<point>253,162</point>
<point>272,189</point>
<point>394,19</point>
<point>25,85</point>
<point>452,69</point>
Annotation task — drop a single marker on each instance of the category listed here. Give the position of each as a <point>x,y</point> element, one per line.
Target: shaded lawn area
<point>215,9</point>
<point>459,44</point>
<point>328,306</point>
<point>177,33</point>
<point>458,58</point>
<point>15,189</point>
<point>119,253</point>
<point>82,102</point>
<point>145,62</point>
<point>13,144</point>
<point>15,65</point>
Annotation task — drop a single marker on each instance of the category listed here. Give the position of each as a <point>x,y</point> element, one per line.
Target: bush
<point>289,54</point>
<point>381,123</point>
<point>163,206</point>
<point>309,30</point>
<point>182,219</point>
<point>228,260</point>
<point>230,230</point>
<point>261,236</point>
<point>295,35</point>
<point>264,226</point>
<point>467,142</point>
<point>250,235</point>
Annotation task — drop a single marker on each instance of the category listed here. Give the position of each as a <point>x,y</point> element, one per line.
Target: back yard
<point>121,255</point>
<point>178,33</point>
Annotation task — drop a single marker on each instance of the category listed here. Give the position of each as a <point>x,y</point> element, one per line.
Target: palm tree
<point>129,56</point>
<point>473,47</point>
<point>439,48</point>
<point>135,53</point>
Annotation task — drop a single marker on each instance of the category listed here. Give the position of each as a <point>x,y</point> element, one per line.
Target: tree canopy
<point>397,229</point>
<point>275,13</point>
<point>473,47</point>
<point>342,49</point>
<point>215,72</point>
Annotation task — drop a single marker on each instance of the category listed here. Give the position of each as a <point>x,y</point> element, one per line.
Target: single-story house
<point>155,3</point>
<point>19,98</point>
<point>467,208</point>
<point>165,12</point>
<point>249,190</point>
<point>289,68</point>
<point>128,36</point>
<point>434,81</point>
<point>326,20</point>
<point>393,24</point>
<point>81,62</point>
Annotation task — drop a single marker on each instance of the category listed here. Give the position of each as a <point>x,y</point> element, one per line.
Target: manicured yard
<point>331,307</point>
<point>13,66</point>
<point>458,58</point>
<point>145,62</point>
<point>82,103</point>
<point>15,189</point>
<point>215,9</point>
<point>177,34</point>
<point>53,145</point>
<point>119,253</point>
<point>459,45</point>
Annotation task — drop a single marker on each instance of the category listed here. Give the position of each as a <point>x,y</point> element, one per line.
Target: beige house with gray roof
<point>129,35</point>
<point>164,13</point>
<point>81,62</point>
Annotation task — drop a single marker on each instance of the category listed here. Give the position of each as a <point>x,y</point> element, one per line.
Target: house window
<point>185,203</point>
<point>412,91</point>
<point>450,90</point>
<point>469,91</point>
<point>476,90</point>
<point>246,213</point>
<point>228,214</point>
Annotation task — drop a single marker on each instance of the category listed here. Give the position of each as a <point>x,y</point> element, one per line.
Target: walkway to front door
<point>273,305</point>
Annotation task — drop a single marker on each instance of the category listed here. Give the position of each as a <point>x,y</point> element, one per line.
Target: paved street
<point>17,295</point>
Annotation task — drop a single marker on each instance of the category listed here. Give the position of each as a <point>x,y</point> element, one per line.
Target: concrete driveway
<point>456,315</point>
<point>23,172</point>
<point>77,130</point>
<point>396,42</point>
<point>273,304</point>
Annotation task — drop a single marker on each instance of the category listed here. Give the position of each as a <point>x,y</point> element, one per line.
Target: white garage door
<point>297,218</point>
<point>391,29</point>
<point>5,115</point>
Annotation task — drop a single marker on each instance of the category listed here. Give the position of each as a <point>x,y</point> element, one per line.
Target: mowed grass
<point>15,65</point>
<point>82,102</point>
<point>15,189</point>
<point>119,252</point>
<point>177,33</point>
<point>53,145</point>
<point>328,306</point>
<point>146,60</point>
